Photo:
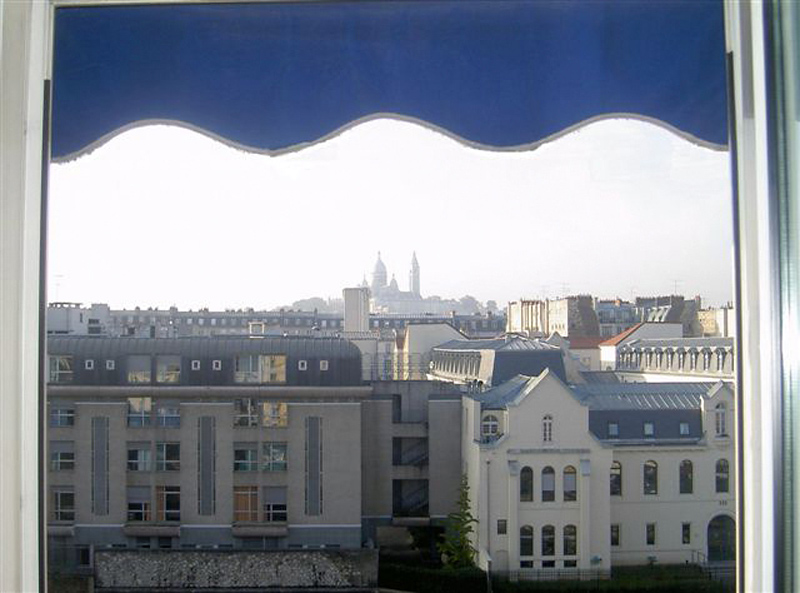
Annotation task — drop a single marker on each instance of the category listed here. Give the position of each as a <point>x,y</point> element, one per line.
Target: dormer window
<point>649,430</point>
<point>490,427</point>
<point>547,429</point>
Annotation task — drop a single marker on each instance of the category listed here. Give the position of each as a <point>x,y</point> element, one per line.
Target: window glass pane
<point>138,369</point>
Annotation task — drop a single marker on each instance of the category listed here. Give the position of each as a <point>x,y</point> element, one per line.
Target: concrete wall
<point>137,569</point>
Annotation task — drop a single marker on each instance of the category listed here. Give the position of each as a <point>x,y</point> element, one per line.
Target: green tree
<point>456,549</point>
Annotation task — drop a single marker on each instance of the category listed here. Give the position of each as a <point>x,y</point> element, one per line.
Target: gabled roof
<point>620,337</point>
<point>508,392</point>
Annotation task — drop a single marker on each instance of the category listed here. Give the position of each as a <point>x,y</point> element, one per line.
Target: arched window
<point>686,477</point>
<point>526,485</point>
<point>548,544</point>
<point>616,479</point>
<point>720,360</point>
<point>570,540</point>
<point>707,360</point>
<point>681,359</point>
<point>650,475</point>
<point>719,420</point>
<point>723,475</point>
<point>548,484</point>
<point>526,540</point>
<point>570,484</point>
<point>490,427</point>
<point>547,428</point>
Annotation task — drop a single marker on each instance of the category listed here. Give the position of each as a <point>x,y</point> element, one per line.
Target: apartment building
<point>241,443</point>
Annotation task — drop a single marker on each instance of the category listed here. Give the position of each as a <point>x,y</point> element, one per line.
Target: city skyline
<point>187,221</point>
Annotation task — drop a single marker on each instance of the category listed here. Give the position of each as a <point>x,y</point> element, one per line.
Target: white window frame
<point>302,365</point>
<point>195,365</point>
<point>88,364</point>
<point>29,55</point>
<point>111,364</point>
<point>216,365</point>
<point>323,365</point>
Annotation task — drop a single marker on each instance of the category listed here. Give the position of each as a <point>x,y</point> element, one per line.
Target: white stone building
<point>591,476</point>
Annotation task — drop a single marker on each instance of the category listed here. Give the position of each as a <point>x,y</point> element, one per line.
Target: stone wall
<point>197,570</point>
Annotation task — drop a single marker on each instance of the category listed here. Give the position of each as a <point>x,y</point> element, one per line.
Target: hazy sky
<point>162,215</point>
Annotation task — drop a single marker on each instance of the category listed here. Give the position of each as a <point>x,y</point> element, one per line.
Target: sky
<point>162,215</point>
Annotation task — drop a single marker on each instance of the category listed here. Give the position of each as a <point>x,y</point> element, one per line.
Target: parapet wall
<point>198,570</point>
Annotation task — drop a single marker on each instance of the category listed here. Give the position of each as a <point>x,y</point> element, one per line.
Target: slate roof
<point>643,396</point>
<point>498,344</point>
<point>497,398</point>
<point>199,347</point>
<point>698,343</point>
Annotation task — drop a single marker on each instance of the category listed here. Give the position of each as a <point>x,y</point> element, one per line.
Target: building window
<point>275,510</point>
<point>88,364</point>
<point>195,365</point>
<point>723,474</point>
<point>686,533</point>
<point>570,540</point>
<point>502,527</point>
<point>168,457</point>
<point>323,365</point>
<point>615,479</point>
<point>526,540</point>
<point>168,369</point>
<point>548,545</point>
<point>719,420</point>
<point>649,430</point>
<point>139,459</point>
<point>275,414</point>
<point>139,503</point>
<point>164,543</point>
<point>245,457</point>
<point>615,535</point>
<point>62,417</point>
<point>260,368</point>
<point>62,455</point>
<point>139,411</point>
<point>138,369</point>
<point>684,429</point>
<point>111,364</point>
<point>526,485</point>
<point>547,429</point>
<point>245,412</point>
<point>490,427</point>
<point>168,503</point>
<point>650,474</point>
<point>650,534</point>
<point>570,484</point>
<point>63,504</point>
<point>169,416</point>
<point>302,365</point>
<point>686,477</point>
<point>60,369</point>
<point>274,456</point>
<point>612,430</point>
<point>216,365</point>
<point>245,503</point>
<point>548,484</point>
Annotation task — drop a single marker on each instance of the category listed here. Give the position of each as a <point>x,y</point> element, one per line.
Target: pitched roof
<point>643,396</point>
<point>620,337</point>
<point>497,344</point>
<point>584,342</point>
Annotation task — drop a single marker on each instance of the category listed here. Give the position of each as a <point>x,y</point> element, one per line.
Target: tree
<point>456,549</point>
